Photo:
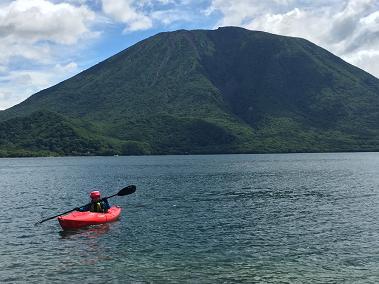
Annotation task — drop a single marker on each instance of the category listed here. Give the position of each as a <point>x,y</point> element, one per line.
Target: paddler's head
<point>95,195</point>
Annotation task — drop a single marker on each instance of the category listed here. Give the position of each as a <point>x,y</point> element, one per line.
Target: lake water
<point>285,218</point>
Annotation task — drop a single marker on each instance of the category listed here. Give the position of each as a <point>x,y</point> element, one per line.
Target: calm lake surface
<point>291,218</point>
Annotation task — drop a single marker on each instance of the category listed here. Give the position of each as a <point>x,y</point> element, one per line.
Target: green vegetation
<point>45,133</point>
<point>225,91</point>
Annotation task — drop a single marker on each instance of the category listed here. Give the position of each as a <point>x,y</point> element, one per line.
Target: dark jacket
<point>101,206</point>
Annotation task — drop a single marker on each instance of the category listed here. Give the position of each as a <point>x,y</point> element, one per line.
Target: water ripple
<point>299,218</point>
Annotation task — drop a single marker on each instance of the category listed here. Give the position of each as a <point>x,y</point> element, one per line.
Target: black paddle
<point>125,191</point>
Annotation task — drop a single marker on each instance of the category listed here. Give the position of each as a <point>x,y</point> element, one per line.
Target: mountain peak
<point>220,91</point>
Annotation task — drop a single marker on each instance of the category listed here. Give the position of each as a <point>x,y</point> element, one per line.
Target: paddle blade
<point>127,190</point>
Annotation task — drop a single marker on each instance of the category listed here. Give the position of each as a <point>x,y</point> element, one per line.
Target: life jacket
<point>96,207</point>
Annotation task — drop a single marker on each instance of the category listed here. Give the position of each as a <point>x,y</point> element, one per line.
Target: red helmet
<point>95,194</point>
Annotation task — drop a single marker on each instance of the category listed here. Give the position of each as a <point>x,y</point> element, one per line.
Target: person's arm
<point>84,208</point>
<point>106,204</point>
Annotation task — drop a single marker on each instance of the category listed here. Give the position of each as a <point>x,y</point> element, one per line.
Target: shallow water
<point>291,218</point>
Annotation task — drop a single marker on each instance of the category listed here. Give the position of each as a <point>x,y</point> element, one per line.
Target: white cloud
<point>19,84</point>
<point>138,15</point>
<point>348,28</point>
<point>43,20</point>
<point>31,29</point>
<point>365,59</point>
<point>167,17</point>
<point>125,11</point>
<point>37,39</point>
<point>68,68</point>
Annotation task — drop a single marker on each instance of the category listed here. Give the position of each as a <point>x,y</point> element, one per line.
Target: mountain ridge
<point>228,90</point>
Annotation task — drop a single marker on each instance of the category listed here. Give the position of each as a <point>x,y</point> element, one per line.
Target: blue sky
<point>46,41</point>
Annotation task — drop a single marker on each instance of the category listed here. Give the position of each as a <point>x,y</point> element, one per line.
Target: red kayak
<point>78,219</point>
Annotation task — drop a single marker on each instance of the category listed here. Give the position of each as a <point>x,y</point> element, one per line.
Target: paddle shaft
<point>47,219</point>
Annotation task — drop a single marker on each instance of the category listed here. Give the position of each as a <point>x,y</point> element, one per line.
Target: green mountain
<point>228,90</point>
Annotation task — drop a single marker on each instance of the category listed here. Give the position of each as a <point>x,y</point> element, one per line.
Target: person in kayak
<point>97,204</point>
